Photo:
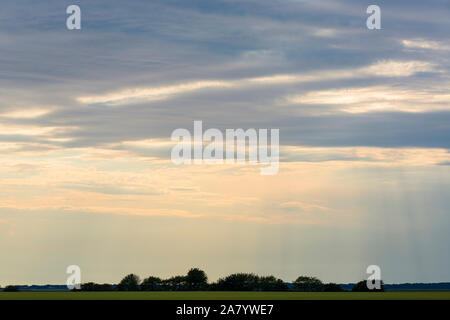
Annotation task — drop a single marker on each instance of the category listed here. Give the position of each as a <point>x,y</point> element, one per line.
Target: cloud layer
<point>86,118</point>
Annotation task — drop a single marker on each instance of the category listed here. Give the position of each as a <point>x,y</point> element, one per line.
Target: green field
<point>207,295</point>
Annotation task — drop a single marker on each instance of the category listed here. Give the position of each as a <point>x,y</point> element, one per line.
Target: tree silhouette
<point>151,284</point>
<point>304,283</point>
<point>11,289</point>
<point>91,286</point>
<point>238,282</point>
<point>196,279</point>
<point>362,287</point>
<point>332,287</point>
<point>129,283</point>
<point>270,283</point>
<point>177,283</point>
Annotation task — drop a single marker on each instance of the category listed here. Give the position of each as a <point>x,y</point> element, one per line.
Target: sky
<point>86,118</point>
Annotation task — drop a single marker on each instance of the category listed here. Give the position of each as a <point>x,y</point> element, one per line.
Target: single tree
<point>129,283</point>
<point>196,279</point>
<point>304,283</point>
<point>151,284</point>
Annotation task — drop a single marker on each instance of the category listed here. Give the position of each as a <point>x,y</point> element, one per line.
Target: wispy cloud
<point>25,113</point>
<point>32,130</point>
<point>379,98</point>
<point>425,44</point>
<point>390,68</point>
<point>135,95</point>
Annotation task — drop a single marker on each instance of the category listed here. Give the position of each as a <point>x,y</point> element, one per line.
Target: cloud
<point>25,113</point>
<point>378,98</point>
<point>111,189</point>
<point>425,44</point>
<point>302,206</point>
<point>134,95</point>
<point>325,32</point>
<point>32,130</point>
<point>85,119</point>
<point>390,68</point>
<point>371,156</point>
<point>151,94</point>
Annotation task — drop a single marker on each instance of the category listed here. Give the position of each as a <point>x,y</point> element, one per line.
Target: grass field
<point>207,295</point>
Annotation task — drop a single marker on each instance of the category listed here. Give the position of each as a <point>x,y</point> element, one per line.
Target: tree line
<point>197,280</point>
